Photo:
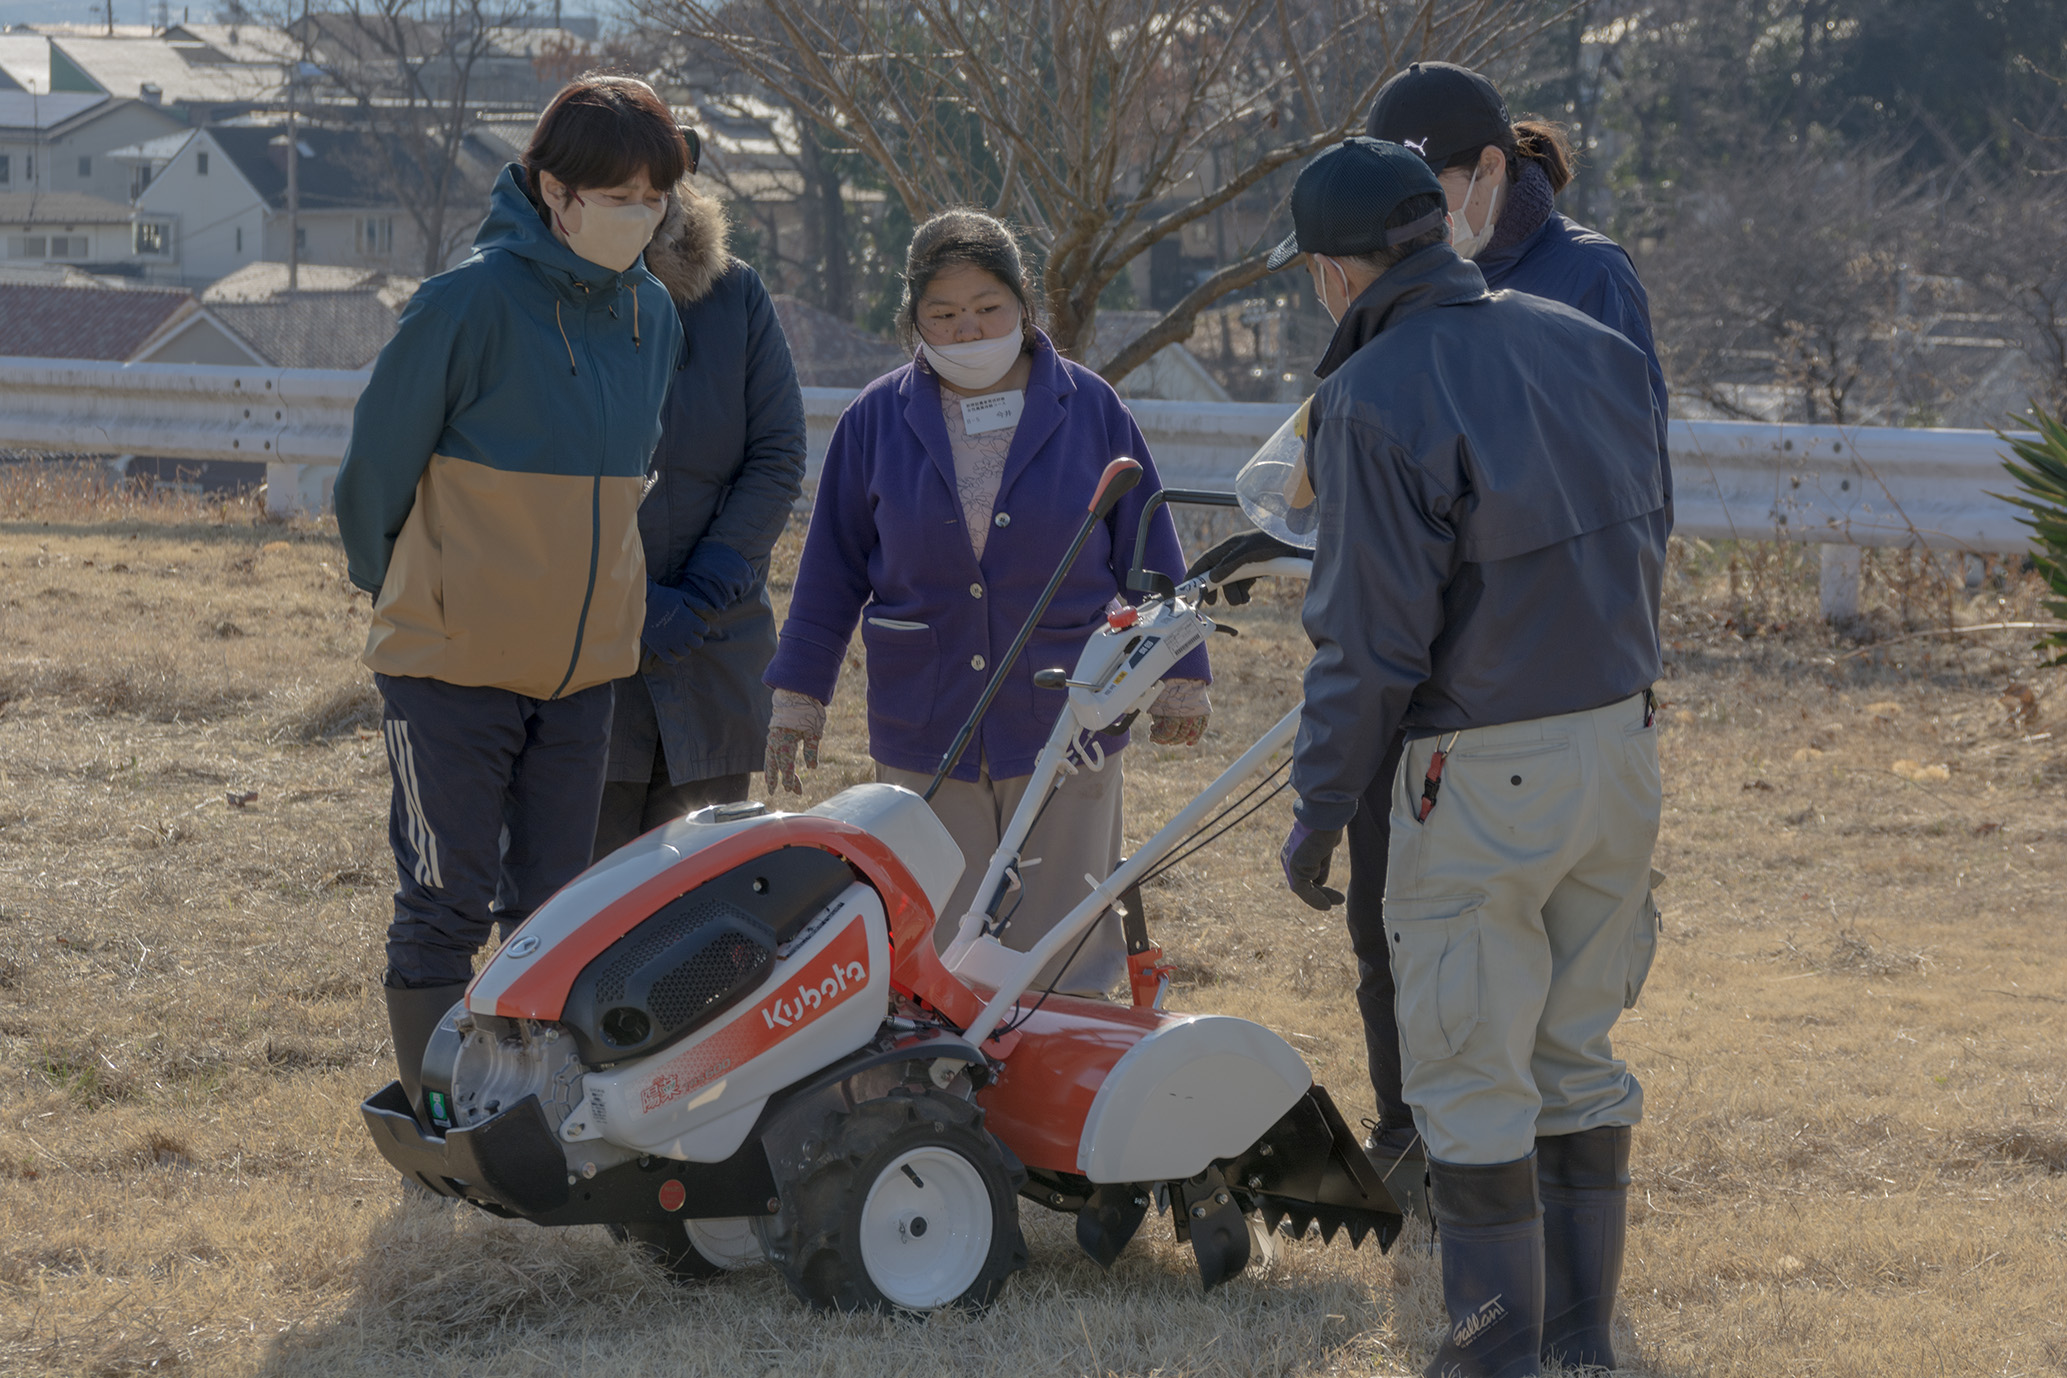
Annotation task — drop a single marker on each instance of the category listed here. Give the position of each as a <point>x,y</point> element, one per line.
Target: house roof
<point>24,62</point>
<point>337,317</point>
<point>59,208</point>
<point>159,150</point>
<point>830,353</point>
<point>313,330</point>
<point>184,74</point>
<point>22,110</point>
<point>340,169</point>
<point>264,281</point>
<point>73,322</point>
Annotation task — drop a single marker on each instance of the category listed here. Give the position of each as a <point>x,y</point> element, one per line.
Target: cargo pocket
<point>1435,972</point>
<point>1643,950</point>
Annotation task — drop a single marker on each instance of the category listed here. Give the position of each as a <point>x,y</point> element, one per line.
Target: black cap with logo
<point>1344,196</point>
<point>1439,109</point>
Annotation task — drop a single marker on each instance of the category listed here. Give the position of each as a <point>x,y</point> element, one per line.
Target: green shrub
<point>2040,468</point>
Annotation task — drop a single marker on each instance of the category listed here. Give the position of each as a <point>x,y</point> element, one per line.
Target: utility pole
<point>294,161</point>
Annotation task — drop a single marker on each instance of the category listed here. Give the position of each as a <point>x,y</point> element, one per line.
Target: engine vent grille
<point>654,939</point>
<point>702,981</point>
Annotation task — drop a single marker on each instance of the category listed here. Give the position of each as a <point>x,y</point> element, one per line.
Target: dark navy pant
<point>1369,836</point>
<point>494,808</point>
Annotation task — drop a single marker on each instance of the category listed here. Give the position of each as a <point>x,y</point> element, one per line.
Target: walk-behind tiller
<point>734,1039</point>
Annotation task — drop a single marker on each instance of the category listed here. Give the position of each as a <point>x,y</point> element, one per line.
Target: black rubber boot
<point>1402,1163</point>
<point>1492,1240</point>
<point>1584,1180</point>
<point>412,1016</point>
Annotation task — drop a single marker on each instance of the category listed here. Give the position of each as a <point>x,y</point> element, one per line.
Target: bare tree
<point>1099,126</point>
<point>414,69</point>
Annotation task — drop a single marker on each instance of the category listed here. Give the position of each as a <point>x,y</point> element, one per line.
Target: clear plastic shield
<point>1273,487</point>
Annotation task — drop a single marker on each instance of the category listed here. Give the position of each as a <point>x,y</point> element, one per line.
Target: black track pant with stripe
<point>494,808</point>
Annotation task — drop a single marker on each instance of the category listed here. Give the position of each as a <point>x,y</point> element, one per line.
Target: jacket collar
<point>1046,386</point>
<point>1428,278</point>
<point>516,224</point>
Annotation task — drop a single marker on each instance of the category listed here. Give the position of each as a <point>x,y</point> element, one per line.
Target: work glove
<point>715,577</point>
<point>1178,715</point>
<point>1176,731</point>
<point>674,626</point>
<point>797,725</point>
<point>1306,856</point>
<point>1242,548</point>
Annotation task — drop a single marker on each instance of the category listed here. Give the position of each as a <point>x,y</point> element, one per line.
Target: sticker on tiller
<point>992,412</point>
<point>836,975</point>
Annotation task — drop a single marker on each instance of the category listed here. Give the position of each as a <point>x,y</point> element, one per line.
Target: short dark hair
<point>1406,213</point>
<point>963,238</point>
<point>1540,141</point>
<point>600,129</point>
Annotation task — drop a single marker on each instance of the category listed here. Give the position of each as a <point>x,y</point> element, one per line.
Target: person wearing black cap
<point>1491,493</point>
<point>1500,179</point>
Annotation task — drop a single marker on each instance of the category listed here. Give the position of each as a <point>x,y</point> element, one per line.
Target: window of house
<point>200,164</point>
<point>377,236</point>
<point>85,167</point>
<point>240,239</point>
<point>301,239</point>
<point>6,172</point>
<point>139,179</point>
<point>153,237</point>
<point>47,246</point>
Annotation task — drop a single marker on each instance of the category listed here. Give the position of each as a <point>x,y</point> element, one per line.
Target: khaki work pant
<point>1521,926</point>
<point>1078,833</point>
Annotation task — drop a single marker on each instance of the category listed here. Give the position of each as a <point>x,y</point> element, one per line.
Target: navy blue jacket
<point>1492,522</point>
<point>729,468</point>
<point>1589,272</point>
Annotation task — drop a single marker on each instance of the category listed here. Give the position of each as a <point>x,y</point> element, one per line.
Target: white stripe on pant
<point>1521,925</point>
<point>403,756</point>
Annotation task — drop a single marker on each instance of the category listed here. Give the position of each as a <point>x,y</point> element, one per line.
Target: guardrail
<point>1843,487</point>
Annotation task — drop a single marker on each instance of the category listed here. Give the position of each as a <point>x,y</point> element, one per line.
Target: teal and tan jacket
<point>490,492</point>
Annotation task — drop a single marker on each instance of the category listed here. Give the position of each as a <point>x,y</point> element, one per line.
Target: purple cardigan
<point>887,540</point>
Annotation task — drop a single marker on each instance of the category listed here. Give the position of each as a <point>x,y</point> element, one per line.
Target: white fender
<point>1195,1090</point>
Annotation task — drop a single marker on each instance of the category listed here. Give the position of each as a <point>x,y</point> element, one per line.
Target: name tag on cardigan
<point>995,412</point>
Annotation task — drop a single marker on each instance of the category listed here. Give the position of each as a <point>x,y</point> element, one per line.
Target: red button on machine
<point>1123,619</point>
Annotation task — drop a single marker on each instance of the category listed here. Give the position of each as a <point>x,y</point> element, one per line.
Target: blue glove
<point>1306,856</point>
<point>674,627</point>
<point>716,577</point>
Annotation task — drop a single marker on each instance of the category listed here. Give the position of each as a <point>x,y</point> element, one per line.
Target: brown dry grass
<point>1855,1161</point>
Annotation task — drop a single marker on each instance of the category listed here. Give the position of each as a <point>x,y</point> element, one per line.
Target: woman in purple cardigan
<point>951,489</point>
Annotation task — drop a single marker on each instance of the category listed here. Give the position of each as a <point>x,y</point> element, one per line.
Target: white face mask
<point>976,364</point>
<point>1326,264</point>
<point>610,237</point>
<point>1466,243</point>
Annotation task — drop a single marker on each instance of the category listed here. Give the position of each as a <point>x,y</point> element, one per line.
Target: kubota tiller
<point>734,1038</point>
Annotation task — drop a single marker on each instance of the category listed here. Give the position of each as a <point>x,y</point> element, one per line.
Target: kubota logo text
<point>782,1013</point>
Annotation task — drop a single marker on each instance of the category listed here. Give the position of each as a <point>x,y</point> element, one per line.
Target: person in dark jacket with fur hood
<point>689,726</point>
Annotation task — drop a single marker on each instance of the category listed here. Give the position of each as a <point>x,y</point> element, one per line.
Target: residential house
<point>197,74</point>
<point>61,141</point>
<point>223,192</point>
<point>1172,374</point>
<point>39,227</point>
<point>335,317</point>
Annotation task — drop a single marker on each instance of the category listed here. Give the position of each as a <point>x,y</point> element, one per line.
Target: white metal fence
<point>1842,486</point>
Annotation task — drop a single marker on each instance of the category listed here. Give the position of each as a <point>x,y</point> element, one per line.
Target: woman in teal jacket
<point>488,501</point>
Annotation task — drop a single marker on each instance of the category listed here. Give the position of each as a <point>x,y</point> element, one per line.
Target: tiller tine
<point>1109,1219</point>
<point>1208,1214</point>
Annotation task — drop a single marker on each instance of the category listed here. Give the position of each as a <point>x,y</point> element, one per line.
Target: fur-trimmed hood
<point>688,252</point>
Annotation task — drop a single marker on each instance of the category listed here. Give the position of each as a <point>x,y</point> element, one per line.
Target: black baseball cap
<point>1343,197</point>
<point>1439,109</point>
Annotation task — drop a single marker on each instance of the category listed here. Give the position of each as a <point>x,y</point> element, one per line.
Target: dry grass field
<point>1854,1162</point>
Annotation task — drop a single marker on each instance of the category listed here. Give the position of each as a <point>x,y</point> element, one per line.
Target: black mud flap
<point>510,1163</point>
<point>1109,1218</point>
<point>1309,1169</point>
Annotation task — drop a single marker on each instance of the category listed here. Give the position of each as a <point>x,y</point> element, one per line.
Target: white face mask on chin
<point>976,364</point>
<point>610,237</point>
<point>1466,243</point>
